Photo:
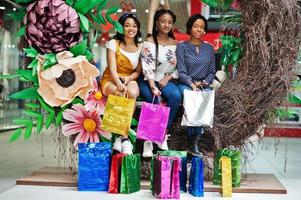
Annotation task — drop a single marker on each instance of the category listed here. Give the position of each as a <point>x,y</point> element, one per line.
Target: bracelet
<point>148,35</point>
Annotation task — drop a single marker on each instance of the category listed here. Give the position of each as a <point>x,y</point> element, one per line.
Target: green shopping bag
<point>130,174</point>
<point>235,157</point>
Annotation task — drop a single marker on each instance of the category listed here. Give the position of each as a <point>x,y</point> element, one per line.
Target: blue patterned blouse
<point>193,66</point>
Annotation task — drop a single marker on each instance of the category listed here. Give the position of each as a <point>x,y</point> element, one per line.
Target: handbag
<point>153,122</point>
<point>198,108</point>
<point>114,185</point>
<point>118,114</point>
<point>94,166</point>
<point>196,178</point>
<point>130,174</point>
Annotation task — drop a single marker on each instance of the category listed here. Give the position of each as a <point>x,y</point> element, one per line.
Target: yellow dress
<point>123,65</point>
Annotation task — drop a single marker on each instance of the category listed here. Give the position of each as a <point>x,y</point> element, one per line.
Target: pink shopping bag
<point>153,122</point>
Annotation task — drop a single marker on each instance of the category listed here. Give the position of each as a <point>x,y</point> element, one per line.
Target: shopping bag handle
<point>125,94</point>
<point>159,98</point>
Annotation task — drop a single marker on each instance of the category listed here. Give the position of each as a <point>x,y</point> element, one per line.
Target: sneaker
<point>117,144</point>
<point>126,146</point>
<point>164,145</point>
<point>147,149</point>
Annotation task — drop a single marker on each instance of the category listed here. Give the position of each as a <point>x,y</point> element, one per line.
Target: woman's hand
<point>163,82</point>
<point>155,91</point>
<point>193,87</point>
<point>125,80</point>
<point>121,87</point>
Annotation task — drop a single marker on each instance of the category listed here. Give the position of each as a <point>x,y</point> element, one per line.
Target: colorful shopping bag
<point>235,157</point>
<point>183,173</point>
<point>153,122</point>
<point>118,114</point>
<point>130,174</point>
<point>115,174</point>
<point>225,165</point>
<point>196,178</point>
<point>94,166</point>
<point>198,108</point>
<point>166,179</point>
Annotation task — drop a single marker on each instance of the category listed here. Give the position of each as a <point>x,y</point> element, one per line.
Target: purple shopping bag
<point>153,122</point>
<point>166,180</point>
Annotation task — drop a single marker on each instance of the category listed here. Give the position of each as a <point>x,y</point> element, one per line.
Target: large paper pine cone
<point>52,26</point>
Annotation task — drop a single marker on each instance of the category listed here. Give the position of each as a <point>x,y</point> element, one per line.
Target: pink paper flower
<point>95,100</point>
<point>86,124</point>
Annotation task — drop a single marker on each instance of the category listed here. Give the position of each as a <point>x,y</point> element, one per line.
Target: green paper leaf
<point>82,6</point>
<point>27,74</point>
<point>32,105</point>
<point>84,22</point>
<point>49,119</point>
<point>17,15</point>
<point>21,32</point>
<point>112,10</point>
<point>28,131</point>
<point>30,52</point>
<point>59,118</point>
<point>69,2</point>
<point>79,49</point>
<point>40,124</point>
<point>23,122</point>
<point>78,101</point>
<point>8,76</point>
<point>118,27</point>
<point>30,93</point>
<point>33,63</point>
<point>89,55</point>
<point>15,135</point>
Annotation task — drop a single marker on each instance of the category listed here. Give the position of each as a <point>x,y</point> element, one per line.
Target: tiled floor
<point>20,158</point>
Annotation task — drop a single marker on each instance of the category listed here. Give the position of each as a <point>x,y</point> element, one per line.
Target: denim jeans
<point>190,129</point>
<point>170,93</point>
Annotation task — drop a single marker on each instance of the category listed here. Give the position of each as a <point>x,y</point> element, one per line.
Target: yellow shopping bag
<point>225,164</point>
<point>118,114</point>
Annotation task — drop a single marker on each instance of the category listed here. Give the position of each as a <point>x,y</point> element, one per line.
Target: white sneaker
<point>147,149</point>
<point>164,145</point>
<point>127,147</point>
<point>117,144</point>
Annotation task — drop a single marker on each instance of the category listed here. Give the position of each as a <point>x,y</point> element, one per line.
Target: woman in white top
<point>158,59</point>
<point>124,67</point>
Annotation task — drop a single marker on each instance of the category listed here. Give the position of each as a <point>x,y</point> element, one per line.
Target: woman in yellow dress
<point>124,67</point>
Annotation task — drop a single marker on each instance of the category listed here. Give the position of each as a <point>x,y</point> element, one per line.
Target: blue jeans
<point>170,93</point>
<point>190,129</point>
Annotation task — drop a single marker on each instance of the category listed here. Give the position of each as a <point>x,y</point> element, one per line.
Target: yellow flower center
<point>97,96</point>
<point>89,125</point>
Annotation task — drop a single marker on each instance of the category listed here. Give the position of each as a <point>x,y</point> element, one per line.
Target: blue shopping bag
<point>196,179</point>
<point>94,166</point>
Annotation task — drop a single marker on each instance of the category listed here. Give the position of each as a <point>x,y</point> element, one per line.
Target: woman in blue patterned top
<point>196,68</point>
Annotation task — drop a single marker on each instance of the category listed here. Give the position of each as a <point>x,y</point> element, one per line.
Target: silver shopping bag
<point>198,108</point>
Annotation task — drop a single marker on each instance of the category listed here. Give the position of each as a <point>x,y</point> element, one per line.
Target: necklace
<point>197,46</point>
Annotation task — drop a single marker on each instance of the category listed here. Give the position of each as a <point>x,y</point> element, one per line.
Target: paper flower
<point>71,77</point>
<point>85,123</point>
<point>52,26</point>
<point>95,99</point>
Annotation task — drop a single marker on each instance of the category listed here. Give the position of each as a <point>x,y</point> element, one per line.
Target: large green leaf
<point>31,52</point>
<point>15,135</point>
<point>83,6</point>
<point>21,32</point>
<point>118,27</point>
<point>8,76</point>
<point>294,99</point>
<point>32,105</point>
<point>50,110</point>
<point>27,74</point>
<point>30,93</point>
<point>28,132</point>
<point>79,49</point>
<point>84,22</point>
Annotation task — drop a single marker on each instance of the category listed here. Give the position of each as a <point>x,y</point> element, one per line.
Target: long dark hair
<point>155,32</point>
<point>122,20</point>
